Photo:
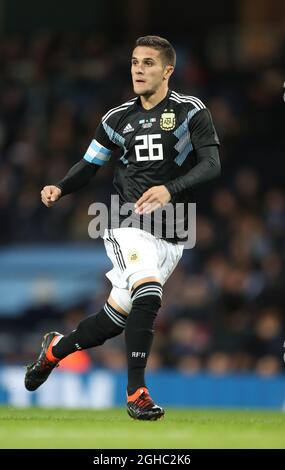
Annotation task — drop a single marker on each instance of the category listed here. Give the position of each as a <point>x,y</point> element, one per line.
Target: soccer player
<point>168,146</point>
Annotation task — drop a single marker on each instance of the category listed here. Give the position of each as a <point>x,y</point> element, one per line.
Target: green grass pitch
<point>112,428</point>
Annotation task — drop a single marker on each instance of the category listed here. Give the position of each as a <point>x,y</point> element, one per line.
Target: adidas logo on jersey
<point>128,128</point>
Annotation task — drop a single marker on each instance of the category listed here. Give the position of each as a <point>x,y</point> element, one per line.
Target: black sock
<point>92,331</point>
<point>139,331</point>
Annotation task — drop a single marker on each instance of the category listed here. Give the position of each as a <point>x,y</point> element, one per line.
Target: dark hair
<point>160,44</point>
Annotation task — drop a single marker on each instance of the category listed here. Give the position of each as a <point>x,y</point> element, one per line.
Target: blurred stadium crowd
<point>223,309</point>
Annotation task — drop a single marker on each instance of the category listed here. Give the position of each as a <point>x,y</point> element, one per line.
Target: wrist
<point>169,187</point>
<point>60,187</point>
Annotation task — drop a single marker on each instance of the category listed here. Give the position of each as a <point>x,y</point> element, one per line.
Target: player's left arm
<point>205,142</point>
<point>206,145</point>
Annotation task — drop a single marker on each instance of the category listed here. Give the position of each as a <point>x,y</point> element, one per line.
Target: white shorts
<point>137,254</point>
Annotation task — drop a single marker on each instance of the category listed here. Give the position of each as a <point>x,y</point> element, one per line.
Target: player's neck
<point>151,101</point>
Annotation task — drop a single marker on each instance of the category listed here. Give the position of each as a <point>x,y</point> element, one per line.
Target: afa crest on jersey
<point>167,120</point>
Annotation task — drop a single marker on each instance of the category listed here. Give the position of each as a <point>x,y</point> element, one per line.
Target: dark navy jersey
<point>156,145</point>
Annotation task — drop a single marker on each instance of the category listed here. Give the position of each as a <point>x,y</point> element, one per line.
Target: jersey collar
<point>156,107</point>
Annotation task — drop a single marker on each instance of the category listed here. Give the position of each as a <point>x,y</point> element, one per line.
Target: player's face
<point>148,70</point>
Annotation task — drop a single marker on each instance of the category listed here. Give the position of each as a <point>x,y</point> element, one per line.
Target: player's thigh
<point>120,300</point>
<point>144,280</point>
<point>134,255</point>
<point>169,256</point>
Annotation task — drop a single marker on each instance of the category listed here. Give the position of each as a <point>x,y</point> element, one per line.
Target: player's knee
<point>148,296</point>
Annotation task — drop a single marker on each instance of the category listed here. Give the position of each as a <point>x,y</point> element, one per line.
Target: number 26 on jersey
<point>150,149</point>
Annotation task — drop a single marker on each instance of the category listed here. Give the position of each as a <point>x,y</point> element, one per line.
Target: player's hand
<point>50,194</point>
<point>152,199</point>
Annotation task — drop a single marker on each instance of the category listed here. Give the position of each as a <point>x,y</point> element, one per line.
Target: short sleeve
<point>202,130</point>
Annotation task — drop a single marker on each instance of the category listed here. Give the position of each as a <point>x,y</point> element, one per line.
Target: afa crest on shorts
<point>167,120</point>
<point>133,256</point>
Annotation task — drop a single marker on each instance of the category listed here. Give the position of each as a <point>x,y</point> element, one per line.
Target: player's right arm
<point>77,177</point>
<point>81,173</point>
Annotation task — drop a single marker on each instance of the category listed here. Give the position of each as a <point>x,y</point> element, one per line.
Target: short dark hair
<point>160,44</point>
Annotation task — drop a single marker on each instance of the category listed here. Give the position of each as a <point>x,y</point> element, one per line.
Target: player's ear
<point>168,70</point>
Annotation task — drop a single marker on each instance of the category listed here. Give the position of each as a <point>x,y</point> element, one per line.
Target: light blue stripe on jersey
<point>97,154</point>
<point>184,145</point>
<point>184,126</point>
<point>181,157</point>
<point>182,129</point>
<point>124,160</point>
<point>117,139</point>
<point>114,136</point>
